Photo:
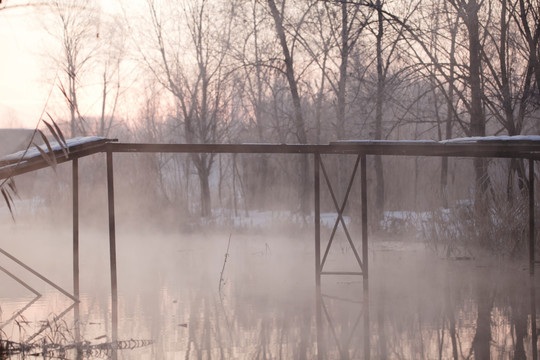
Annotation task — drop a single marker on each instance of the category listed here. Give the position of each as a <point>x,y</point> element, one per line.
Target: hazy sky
<point>26,68</point>
<point>23,91</point>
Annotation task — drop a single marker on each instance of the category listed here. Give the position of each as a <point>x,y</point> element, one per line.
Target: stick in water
<point>221,281</point>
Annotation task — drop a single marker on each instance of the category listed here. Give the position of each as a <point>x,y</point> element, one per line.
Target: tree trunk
<point>482,339</point>
<point>453,334</point>
<point>73,100</point>
<point>289,72</point>
<point>342,97</point>
<point>206,206</point>
<point>103,105</point>
<point>449,115</point>
<point>342,84</point>
<point>203,165</point>
<point>519,320</point>
<point>301,134</point>
<point>477,124</point>
<point>379,173</point>
<point>318,105</point>
<point>532,38</point>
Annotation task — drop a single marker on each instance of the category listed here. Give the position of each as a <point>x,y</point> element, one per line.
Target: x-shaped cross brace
<point>339,219</point>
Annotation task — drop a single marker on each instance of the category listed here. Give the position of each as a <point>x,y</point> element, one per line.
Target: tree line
<point>310,71</point>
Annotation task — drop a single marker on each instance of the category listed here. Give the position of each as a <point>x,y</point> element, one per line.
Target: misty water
<point>177,291</point>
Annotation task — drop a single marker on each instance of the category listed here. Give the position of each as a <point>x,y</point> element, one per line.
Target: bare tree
<point>510,58</point>
<point>300,127</point>
<point>469,90</point>
<point>381,75</point>
<point>529,16</point>
<point>195,72</point>
<point>110,57</point>
<point>477,123</point>
<point>76,29</point>
<point>387,42</point>
<point>449,106</point>
<point>253,81</point>
<point>289,71</point>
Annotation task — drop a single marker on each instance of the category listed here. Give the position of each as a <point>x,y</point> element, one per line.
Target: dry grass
<point>463,231</point>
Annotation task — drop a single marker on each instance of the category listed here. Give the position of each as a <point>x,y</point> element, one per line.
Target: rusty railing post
<point>531,217</point>
<point>534,331</point>
<point>363,176</point>
<point>112,248</point>
<point>76,284</point>
<point>317,221</point>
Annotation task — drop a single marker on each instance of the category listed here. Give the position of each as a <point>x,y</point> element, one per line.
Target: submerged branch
<point>221,281</point>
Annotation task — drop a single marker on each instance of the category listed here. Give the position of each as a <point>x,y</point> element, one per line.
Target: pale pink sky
<point>26,70</point>
<point>23,91</point>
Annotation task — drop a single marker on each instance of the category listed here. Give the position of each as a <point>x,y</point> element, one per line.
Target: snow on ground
<point>255,219</point>
<point>394,222</point>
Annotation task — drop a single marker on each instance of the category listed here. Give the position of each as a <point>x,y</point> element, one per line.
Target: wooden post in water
<point>534,331</point>
<point>112,249</point>
<point>76,291</point>
<point>363,176</point>
<point>531,217</point>
<point>534,337</point>
<point>317,221</point>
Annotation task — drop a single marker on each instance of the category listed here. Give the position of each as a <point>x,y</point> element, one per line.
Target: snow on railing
<point>33,152</point>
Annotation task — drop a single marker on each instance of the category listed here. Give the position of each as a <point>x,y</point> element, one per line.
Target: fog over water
<point>243,286</point>
<point>216,251</point>
<point>421,306</point>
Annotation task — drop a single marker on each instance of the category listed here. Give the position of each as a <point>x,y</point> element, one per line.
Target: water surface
<point>181,293</point>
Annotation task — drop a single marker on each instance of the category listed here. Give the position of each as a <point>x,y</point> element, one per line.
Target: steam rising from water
<point>420,306</point>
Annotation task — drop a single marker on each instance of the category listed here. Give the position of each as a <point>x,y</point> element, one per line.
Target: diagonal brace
<point>340,211</point>
<point>34,272</point>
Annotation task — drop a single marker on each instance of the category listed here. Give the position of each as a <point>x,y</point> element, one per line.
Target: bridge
<point>517,147</point>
